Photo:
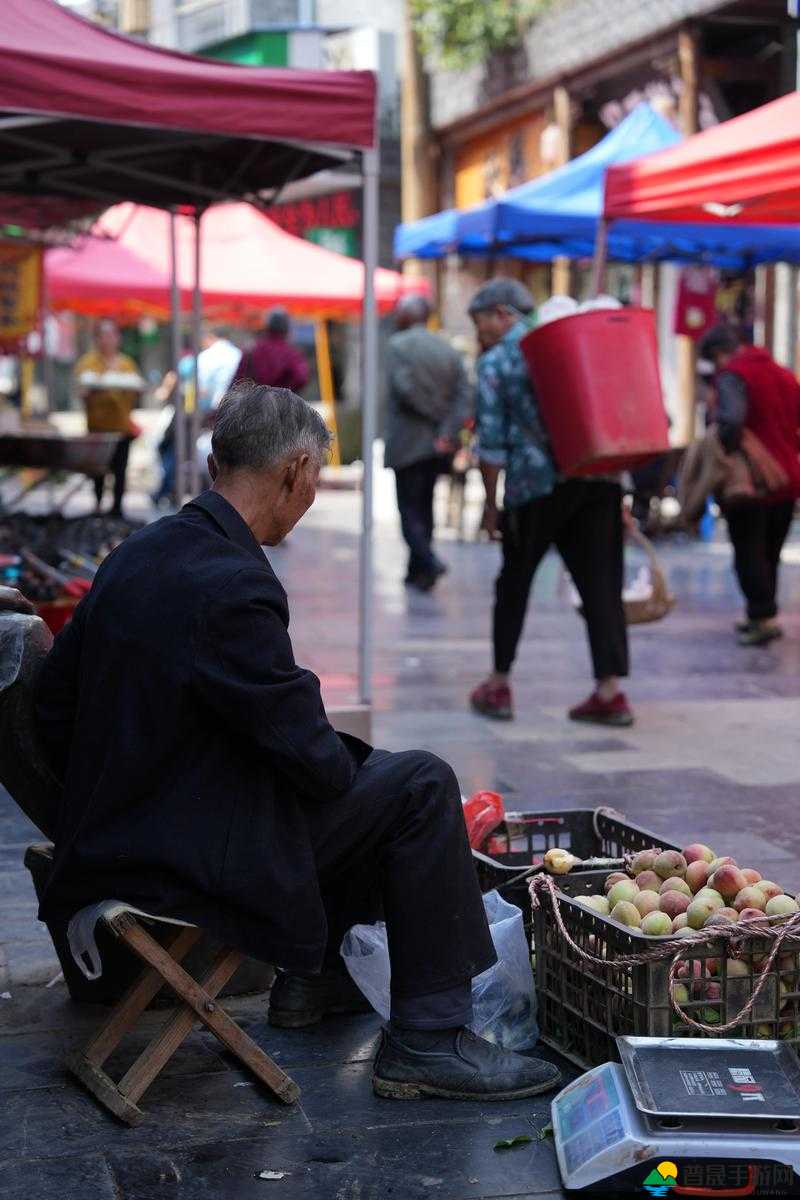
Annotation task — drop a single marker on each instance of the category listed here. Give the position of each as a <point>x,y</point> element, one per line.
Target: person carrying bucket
<point>582,518</point>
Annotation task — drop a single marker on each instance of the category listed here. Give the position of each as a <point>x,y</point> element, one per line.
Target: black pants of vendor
<point>119,467</point>
<point>757,532</point>
<point>415,488</point>
<point>395,847</point>
<point>583,520</point>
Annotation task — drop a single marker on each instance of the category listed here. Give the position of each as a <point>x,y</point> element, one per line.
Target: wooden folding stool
<point>198,1003</point>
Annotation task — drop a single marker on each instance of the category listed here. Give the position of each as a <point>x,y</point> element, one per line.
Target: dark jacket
<point>428,395</point>
<point>275,362</point>
<point>756,393</point>
<point>194,751</point>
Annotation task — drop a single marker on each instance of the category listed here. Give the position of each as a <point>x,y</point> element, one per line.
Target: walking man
<point>428,402</point>
<point>273,360</point>
<point>757,398</point>
<point>582,518</point>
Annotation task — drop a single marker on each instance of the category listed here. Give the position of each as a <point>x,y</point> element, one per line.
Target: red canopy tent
<point>248,264</point>
<point>102,278</point>
<point>88,115</point>
<point>745,171</point>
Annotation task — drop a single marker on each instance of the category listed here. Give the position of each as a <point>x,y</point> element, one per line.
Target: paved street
<point>712,758</point>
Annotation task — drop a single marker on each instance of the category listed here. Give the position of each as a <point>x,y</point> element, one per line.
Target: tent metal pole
<point>179,418</point>
<point>600,258</point>
<point>369,404</point>
<point>197,320</point>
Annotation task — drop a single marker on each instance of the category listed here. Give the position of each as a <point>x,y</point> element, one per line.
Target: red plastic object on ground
<point>599,389</point>
<point>483,812</point>
<point>56,613</point>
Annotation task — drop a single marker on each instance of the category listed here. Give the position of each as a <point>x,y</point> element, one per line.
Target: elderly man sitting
<point>203,780</point>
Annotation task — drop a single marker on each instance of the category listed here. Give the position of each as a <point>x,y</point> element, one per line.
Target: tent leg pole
<point>369,403</point>
<point>197,333</point>
<point>327,392</point>
<point>600,258</point>
<point>180,398</point>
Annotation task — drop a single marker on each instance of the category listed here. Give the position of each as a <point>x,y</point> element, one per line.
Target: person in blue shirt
<point>581,518</point>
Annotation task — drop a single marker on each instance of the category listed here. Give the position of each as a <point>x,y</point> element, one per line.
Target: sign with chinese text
<point>20,291</point>
<point>333,221</point>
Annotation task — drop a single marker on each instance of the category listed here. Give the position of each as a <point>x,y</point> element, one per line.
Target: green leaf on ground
<point>521,1139</point>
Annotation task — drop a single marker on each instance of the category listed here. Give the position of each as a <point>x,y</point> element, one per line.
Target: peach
<point>750,897</point>
<point>643,861</point>
<point>648,881</point>
<point>728,881</point>
<point>697,852</point>
<point>729,912</point>
<point>679,922</point>
<point>673,903</point>
<point>669,863</point>
<point>685,931</point>
<point>713,897</point>
<point>614,877</point>
<point>781,906</point>
<point>720,862</point>
<point>736,969</point>
<point>713,991</point>
<point>680,993</point>
<point>751,876</point>
<point>769,888</point>
<point>656,924</point>
<point>676,884</point>
<point>720,917</point>
<point>626,913</point>
<point>697,874</point>
<point>698,913</point>
<point>752,914</point>
<point>599,904</point>
<point>647,902</point>
<point>625,889</point>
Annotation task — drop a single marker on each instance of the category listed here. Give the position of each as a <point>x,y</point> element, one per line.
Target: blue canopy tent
<point>558,215</point>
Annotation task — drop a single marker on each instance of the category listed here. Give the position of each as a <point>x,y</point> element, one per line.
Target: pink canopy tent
<point>248,264</point>
<point>102,278</point>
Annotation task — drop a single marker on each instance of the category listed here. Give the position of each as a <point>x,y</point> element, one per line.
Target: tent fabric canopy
<point>745,171</point>
<point>558,214</point>
<point>247,264</point>
<point>195,131</point>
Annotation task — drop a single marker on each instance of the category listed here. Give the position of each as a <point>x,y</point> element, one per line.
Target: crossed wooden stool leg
<point>162,967</point>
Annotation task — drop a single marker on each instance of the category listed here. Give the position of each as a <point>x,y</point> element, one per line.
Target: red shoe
<point>603,712</point>
<point>493,701</point>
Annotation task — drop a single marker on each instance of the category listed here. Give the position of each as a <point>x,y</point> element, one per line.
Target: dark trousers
<point>395,846</point>
<point>757,533</point>
<point>583,521</point>
<point>119,466</point>
<point>415,486</point>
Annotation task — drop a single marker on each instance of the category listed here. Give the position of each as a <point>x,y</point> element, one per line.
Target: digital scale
<point>683,1117</point>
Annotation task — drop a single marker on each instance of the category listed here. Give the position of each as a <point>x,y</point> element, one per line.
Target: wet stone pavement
<point>713,757</point>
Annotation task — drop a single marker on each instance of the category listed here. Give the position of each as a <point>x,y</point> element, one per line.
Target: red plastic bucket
<point>56,613</point>
<point>598,388</point>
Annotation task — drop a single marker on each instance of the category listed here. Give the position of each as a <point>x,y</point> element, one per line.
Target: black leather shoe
<point>299,1000</point>
<point>463,1067</point>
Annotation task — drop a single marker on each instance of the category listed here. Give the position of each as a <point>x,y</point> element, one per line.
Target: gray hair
<point>258,427</point>
<point>412,309</point>
<point>502,293</point>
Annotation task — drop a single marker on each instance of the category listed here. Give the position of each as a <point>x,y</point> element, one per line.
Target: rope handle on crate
<point>675,949</point>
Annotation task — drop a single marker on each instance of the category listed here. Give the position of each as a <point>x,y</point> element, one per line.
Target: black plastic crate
<point>524,839</point>
<point>583,1008</point>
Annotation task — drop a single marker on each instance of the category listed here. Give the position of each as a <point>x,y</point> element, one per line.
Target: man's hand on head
<point>12,600</point>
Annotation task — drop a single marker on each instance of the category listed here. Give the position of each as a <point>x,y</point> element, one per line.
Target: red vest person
<point>754,393</point>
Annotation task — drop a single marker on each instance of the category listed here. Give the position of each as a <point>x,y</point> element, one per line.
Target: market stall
<point>90,117</point>
<point>558,214</point>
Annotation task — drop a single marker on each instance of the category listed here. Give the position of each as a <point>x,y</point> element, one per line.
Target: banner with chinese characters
<point>20,292</point>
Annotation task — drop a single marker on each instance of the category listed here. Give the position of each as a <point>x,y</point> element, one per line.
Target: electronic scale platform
<point>683,1117</point>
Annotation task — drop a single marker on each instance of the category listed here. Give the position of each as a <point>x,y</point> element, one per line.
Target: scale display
<point>679,1115</point>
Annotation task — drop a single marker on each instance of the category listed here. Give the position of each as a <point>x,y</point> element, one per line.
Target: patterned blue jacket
<point>509,428</point>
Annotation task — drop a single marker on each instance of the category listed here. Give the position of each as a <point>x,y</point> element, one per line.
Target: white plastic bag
<point>503,998</point>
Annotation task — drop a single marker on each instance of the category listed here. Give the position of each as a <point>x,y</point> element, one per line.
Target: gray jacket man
<point>429,400</point>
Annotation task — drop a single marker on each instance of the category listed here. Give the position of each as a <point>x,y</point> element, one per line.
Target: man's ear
<point>213,469</point>
<point>294,471</point>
